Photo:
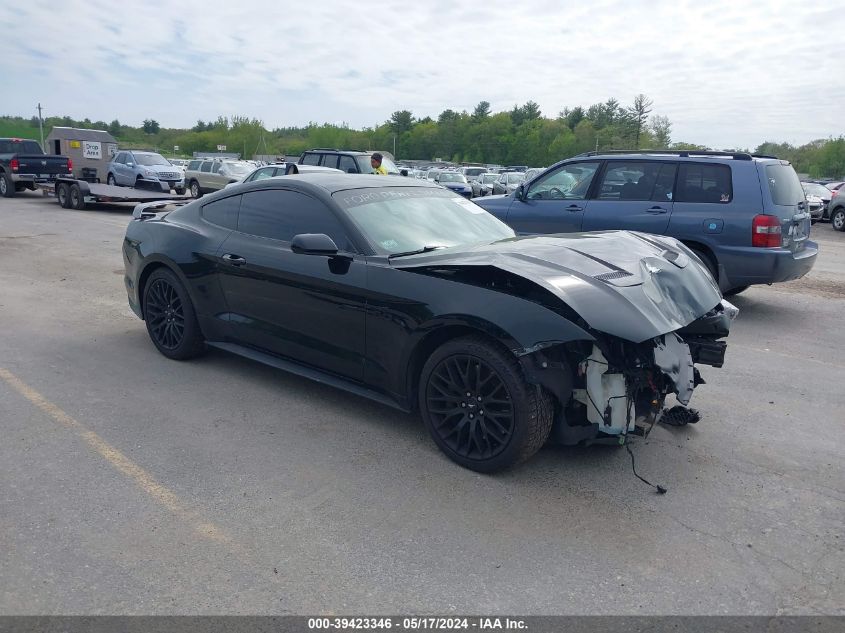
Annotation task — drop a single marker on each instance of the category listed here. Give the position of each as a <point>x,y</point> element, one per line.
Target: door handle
<point>574,207</point>
<point>235,260</point>
<point>656,210</point>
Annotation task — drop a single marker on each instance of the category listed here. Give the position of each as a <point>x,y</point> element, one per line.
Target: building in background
<point>90,150</point>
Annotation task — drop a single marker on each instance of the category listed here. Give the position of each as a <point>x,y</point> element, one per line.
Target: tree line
<point>522,135</point>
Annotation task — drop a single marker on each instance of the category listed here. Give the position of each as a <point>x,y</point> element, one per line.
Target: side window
<point>215,167</point>
<point>281,214</point>
<point>568,182</point>
<point>311,159</point>
<point>120,158</point>
<point>205,167</point>
<point>129,159</point>
<point>261,174</point>
<point>194,165</point>
<point>330,160</point>
<point>348,165</point>
<point>223,212</point>
<point>637,180</point>
<point>704,183</point>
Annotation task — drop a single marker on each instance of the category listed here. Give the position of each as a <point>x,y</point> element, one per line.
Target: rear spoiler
<point>148,210</point>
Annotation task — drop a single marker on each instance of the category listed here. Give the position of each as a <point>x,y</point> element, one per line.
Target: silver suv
<point>212,174</point>
<point>132,168</point>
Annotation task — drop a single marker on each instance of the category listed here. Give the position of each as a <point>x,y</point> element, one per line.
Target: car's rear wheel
<point>170,317</point>
<point>7,188</point>
<point>478,407</point>
<point>837,220</point>
<point>195,189</point>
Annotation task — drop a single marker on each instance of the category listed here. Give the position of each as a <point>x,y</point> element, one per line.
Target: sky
<point>727,74</point>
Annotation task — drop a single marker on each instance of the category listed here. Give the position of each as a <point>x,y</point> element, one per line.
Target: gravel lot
<point>134,484</point>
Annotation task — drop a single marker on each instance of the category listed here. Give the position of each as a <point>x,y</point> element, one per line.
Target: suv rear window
<point>784,185</point>
<point>698,182</point>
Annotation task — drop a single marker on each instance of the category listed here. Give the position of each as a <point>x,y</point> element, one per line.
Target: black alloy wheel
<point>470,407</point>
<point>170,317</point>
<point>478,407</point>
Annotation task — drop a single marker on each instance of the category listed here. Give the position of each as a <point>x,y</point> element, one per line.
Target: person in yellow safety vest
<point>375,163</point>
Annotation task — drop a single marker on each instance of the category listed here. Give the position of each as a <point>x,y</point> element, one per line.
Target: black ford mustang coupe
<point>404,292</point>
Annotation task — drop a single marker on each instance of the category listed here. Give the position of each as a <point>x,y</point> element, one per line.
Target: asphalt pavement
<point>132,484</point>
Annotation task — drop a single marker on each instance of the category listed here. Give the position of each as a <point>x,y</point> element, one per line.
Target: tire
<point>138,183</point>
<point>493,378</point>
<point>77,200</point>
<point>111,181</point>
<point>837,219</point>
<point>63,195</point>
<point>7,187</point>
<point>735,291</point>
<point>170,317</point>
<point>180,191</point>
<point>196,192</point>
<point>813,221</point>
<point>708,262</point>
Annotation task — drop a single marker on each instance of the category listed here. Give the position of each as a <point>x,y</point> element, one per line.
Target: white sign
<point>221,148</point>
<point>175,148</point>
<point>112,149</point>
<point>91,149</point>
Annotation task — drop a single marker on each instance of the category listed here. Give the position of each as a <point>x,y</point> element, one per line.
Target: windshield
<point>367,168</point>
<point>815,189</point>
<point>147,160</point>
<point>452,178</point>
<point>236,169</point>
<point>514,179</point>
<point>402,219</point>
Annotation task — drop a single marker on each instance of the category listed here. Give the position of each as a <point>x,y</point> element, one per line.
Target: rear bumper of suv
<point>745,266</point>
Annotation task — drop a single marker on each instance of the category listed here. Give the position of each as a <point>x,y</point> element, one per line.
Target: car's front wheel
<point>196,192</point>
<point>478,407</point>
<point>170,317</point>
<point>111,181</point>
<point>837,220</point>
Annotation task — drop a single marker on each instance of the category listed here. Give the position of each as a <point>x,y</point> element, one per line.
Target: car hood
<point>166,169</point>
<point>631,285</point>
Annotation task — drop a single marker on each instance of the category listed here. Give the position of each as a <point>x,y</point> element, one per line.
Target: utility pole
<point>597,143</point>
<point>394,146</point>
<point>41,126</point>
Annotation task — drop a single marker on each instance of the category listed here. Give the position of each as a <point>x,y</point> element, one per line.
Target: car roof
<point>332,182</point>
<point>327,150</point>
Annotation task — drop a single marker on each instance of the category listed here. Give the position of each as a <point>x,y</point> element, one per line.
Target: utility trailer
<point>75,194</point>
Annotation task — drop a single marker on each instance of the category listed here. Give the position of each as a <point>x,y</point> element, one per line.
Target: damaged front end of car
<point>647,309</point>
<point>610,388</point>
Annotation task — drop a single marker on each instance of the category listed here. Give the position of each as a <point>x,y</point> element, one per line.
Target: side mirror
<point>130,164</point>
<point>520,192</point>
<point>313,244</point>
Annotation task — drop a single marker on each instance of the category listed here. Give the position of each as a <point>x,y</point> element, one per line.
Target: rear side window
<point>280,214</point>
<point>215,167</point>
<point>194,164</point>
<point>330,160</point>
<point>784,185</point>
<point>205,167</point>
<point>223,212</point>
<point>311,159</point>
<point>705,183</point>
<point>9,146</point>
<point>637,180</point>
<point>348,165</point>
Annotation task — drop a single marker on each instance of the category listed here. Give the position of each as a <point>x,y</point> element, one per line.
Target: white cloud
<point>725,73</point>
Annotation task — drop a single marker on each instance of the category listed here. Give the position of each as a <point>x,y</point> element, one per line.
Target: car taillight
<point>765,231</point>
<point>14,164</point>
<point>69,165</point>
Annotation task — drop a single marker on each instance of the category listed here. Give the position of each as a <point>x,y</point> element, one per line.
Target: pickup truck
<point>23,163</point>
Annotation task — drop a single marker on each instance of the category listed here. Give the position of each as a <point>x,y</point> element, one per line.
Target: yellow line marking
<point>790,356</point>
<point>118,460</point>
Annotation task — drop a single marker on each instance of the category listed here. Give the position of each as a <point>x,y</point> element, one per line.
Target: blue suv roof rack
<point>683,153</point>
